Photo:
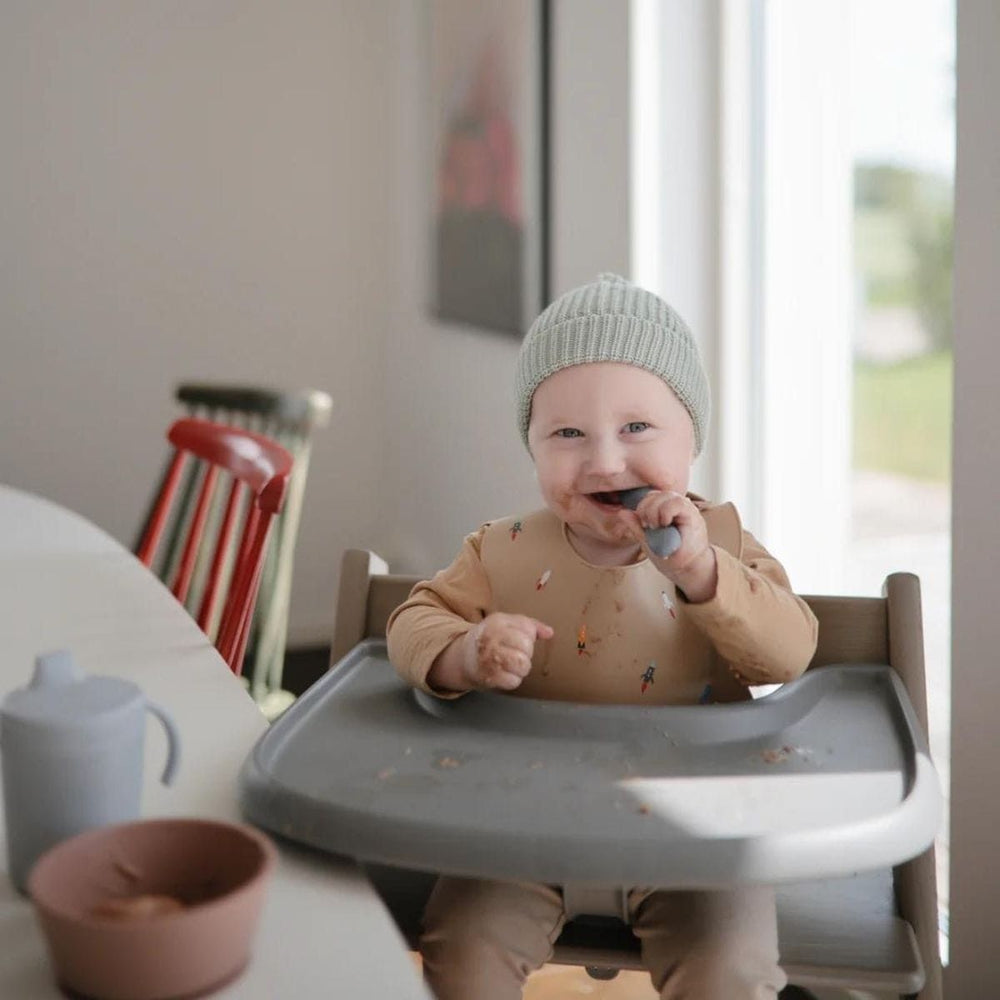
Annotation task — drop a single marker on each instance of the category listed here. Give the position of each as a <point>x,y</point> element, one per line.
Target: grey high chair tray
<point>828,775</point>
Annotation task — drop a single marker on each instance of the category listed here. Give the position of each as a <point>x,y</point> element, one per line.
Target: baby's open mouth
<point>611,498</point>
<point>621,498</point>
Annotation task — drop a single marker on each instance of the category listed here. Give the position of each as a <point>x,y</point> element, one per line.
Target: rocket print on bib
<point>581,641</point>
<point>648,677</point>
<point>543,579</point>
<point>668,604</point>
<point>515,530</point>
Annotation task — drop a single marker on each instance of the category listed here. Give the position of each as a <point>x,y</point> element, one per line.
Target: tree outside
<point>903,355</point>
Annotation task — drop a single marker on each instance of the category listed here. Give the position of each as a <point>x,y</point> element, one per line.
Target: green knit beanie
<point>611,319</point>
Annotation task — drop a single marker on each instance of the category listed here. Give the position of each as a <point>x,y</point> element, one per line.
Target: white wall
<point>193,191</point>
<point>234,190</point>
<point>453,455</point>
<point>975,788</point>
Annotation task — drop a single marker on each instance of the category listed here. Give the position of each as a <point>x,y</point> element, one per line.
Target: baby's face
<point>600,427</point>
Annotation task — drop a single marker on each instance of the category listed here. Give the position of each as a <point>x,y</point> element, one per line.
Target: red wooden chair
<point>260,469</point>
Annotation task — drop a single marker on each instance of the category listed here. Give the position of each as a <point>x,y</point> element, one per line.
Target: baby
<point>570,602</point>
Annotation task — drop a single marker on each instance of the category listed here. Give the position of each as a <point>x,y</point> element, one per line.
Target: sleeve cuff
<point>422,659</point>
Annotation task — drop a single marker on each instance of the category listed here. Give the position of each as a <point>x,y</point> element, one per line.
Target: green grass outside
<point>902,417</point>
<point>883,253</point>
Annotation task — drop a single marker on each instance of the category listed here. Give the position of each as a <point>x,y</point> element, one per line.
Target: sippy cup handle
<point>173,742</point>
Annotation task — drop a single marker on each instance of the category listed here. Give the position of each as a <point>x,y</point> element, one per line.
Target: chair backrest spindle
<point>212,586</point>
<point>158,518</point>
<point>186,569</point>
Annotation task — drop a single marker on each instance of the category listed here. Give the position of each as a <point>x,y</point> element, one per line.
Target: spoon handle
<point>663,541</point>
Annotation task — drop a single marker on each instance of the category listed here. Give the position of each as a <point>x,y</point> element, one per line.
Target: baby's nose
<point>605,457</point>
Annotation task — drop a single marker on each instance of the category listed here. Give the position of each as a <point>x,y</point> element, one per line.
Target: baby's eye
<point>636,426</point>
<point>568,432</point>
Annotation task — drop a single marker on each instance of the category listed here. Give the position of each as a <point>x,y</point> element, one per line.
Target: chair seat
<point>833,933</point>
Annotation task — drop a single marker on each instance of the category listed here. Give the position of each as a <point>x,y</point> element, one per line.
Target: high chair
<point>875,931</point>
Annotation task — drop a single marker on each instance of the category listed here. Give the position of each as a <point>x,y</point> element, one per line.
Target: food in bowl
<point>153,909</point>
<point>136,907</point>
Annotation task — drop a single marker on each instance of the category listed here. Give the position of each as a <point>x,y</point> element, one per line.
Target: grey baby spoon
<point>663,541</point>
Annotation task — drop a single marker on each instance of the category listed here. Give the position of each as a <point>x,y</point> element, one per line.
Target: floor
<point>560,982</point>
<point>557,982</point>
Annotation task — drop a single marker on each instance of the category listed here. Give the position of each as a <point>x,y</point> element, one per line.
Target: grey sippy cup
<point>72,749</point>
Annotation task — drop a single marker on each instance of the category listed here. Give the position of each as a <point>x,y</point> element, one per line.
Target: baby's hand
<point>692,567</point>
<point>497,652</point>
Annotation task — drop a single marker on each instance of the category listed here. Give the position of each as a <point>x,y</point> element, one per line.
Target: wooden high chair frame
<point>876,932</point>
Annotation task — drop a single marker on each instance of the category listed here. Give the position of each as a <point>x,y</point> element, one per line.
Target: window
<point>823,293</point>
<point>852,264</point>
<point>902,161</point>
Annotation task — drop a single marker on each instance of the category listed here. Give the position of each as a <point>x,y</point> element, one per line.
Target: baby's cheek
<point>563,498</point>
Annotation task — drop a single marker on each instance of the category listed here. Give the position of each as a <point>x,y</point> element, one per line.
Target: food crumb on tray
<point>777,755</point>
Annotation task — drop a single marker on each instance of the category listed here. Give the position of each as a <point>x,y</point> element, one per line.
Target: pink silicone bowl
<point>217,871</point>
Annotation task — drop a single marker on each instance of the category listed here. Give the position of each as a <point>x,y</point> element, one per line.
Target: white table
<point>66,584</point>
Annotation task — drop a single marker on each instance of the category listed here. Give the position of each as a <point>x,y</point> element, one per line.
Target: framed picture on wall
<point>488,67</point>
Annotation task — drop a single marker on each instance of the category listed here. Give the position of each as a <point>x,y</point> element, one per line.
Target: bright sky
<point>903,82</point>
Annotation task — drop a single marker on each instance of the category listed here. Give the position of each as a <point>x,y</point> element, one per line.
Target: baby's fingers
<point>530,627</point>
<point>504,646</point>
<point>504,669</point>
<point>519,633</point>
<point>507,681</point>
<point>659,509</point>
<point>543,631</point>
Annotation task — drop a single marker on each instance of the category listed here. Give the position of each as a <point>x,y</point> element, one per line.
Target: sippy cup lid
<point>61,698</point>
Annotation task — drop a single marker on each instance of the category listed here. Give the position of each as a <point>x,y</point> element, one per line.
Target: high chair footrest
<point>845,933</point>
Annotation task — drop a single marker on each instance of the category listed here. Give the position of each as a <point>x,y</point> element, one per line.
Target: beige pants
<point>482,939</point>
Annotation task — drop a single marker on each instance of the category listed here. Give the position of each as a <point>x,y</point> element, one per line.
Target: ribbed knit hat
<point>611,319</point>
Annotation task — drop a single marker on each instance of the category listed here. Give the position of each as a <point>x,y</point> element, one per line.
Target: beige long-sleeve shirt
<point>623,634</point>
